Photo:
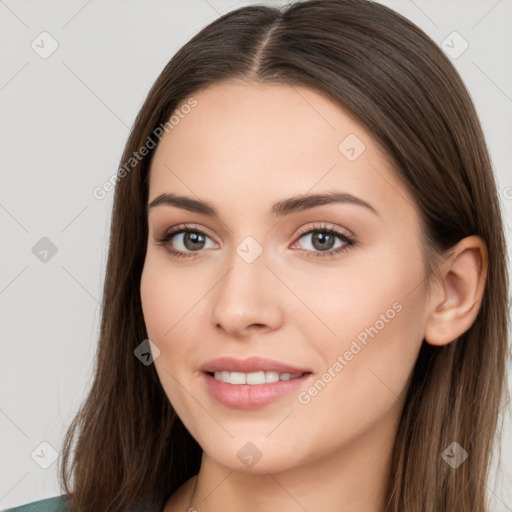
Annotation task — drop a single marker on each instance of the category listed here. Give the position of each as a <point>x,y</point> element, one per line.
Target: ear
<point>456,298</point>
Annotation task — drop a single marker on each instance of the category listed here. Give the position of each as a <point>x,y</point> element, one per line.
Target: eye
<point>322,241</point>
<point>189,239</point>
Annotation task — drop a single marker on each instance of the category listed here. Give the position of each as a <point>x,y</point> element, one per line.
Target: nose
<point>248,298</point>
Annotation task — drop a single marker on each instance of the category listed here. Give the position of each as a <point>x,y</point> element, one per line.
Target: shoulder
<point>55,504</point>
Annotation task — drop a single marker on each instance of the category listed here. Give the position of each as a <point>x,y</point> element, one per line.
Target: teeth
<point>253,377</point>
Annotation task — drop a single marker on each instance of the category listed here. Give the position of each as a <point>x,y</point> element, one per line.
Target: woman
<point>305,305</point>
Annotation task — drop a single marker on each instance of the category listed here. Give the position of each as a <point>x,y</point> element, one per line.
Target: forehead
<point>245,142</point>
<point>249,120</point>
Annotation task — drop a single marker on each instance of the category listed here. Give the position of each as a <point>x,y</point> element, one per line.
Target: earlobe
<point>456,300</point>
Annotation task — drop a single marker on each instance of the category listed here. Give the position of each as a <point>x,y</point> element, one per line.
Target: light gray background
<point>65,120</point>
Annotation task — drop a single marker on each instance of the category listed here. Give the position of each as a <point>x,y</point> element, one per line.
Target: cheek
<point>172,306</point>
<point>362,294</point>
<point>155,302</point>
<point>368,361</point>
<point>372,315</point>
<point>165,296</point>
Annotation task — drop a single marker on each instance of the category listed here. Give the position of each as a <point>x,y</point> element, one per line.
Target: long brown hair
<point>129,443</point>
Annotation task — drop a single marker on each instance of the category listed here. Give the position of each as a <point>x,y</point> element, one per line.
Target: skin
<point>244,147</point>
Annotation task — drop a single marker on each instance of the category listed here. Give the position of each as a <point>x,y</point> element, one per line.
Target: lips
<point>250,365</point>
<point>239,384</point>
<point>246,396</point>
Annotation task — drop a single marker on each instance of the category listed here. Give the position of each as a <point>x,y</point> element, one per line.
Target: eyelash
<point>186,228</point>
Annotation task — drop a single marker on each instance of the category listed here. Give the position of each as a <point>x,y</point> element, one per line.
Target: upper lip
<point>252,364</point>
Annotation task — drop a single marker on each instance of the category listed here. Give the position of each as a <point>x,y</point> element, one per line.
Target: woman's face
<point>261,278</point>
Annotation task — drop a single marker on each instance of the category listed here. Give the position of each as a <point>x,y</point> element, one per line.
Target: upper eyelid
<point>325,226</point>
<point>180,228</point>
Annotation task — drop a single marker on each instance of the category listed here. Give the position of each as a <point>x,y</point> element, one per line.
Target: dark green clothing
<point>56,504</point>
<point>60,504</point>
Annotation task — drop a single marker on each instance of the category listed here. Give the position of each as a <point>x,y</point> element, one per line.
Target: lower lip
<point>248,396</point>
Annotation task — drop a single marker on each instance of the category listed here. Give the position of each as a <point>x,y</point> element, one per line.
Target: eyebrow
<point>279,209</point>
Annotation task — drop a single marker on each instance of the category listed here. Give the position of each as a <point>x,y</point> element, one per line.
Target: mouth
<point>253,390</point>
<point>254,378</point>
<point>251,383</point>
